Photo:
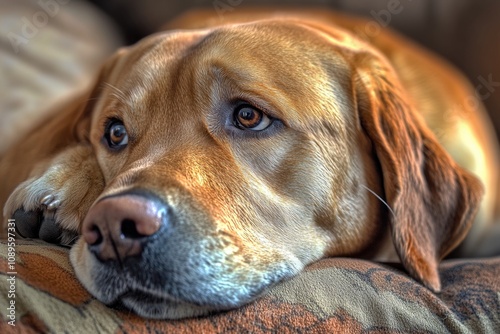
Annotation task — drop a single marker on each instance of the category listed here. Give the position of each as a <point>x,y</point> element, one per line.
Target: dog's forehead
<point>270,45</point>
<point>285,58</point>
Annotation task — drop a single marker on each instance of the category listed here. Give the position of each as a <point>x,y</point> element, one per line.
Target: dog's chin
<point>147,304</point>
<point>153,307</point>
<point>121,289</point>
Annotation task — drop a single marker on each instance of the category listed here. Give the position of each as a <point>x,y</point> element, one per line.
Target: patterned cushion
<point>333,295</point>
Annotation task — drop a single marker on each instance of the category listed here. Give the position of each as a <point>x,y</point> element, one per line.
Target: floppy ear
<point>433,199</point>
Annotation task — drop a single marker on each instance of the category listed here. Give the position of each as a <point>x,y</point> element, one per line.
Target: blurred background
<point>47,47</point>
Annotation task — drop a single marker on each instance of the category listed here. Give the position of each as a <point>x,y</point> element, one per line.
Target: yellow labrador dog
<point>217,158</point>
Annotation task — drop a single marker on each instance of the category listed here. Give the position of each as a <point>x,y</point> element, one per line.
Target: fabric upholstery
<point>334,295</point>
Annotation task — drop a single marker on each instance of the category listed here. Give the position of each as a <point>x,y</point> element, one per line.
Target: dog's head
<point>233,157</point>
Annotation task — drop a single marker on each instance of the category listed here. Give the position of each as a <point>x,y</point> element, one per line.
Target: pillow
<point>332,295</point>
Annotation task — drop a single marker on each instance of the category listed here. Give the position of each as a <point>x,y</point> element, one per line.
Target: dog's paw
<point>37,216</point>
<point>34,224</point>
<point>52,205</point>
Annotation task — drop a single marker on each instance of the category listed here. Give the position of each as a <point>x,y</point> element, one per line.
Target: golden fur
<point>357,122</point>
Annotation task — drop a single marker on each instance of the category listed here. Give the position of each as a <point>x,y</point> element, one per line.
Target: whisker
<point>380,199</point>
<point>120,95</point>
<point>116,92</point>
<point>70,242</point>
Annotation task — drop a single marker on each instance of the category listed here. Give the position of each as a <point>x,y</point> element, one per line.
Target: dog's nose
<point>115,227</point>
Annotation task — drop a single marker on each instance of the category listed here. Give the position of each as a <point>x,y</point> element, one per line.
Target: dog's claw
<point>50,202</point>
<point>47,200</point>
<point>54,204</point>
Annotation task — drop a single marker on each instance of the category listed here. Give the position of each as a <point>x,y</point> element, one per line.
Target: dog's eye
<point>247,117</point>
<point>116,134</point>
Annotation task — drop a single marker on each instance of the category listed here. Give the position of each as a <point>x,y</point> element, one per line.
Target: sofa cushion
<point>333,295</point>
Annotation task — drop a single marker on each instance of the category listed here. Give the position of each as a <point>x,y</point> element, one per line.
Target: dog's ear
<point>433,199</point>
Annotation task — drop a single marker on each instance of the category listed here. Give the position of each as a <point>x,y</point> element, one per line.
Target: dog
<point>215,159</point>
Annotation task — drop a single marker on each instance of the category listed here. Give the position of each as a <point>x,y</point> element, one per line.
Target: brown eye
<point>248,117</point>
<point>116,134</point>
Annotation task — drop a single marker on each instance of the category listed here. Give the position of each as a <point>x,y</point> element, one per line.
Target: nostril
<point>93,236</point>
<point>98,233</point>
<point>129,230</point>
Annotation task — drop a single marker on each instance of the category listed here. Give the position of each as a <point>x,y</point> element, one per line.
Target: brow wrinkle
<point>380,199</point>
